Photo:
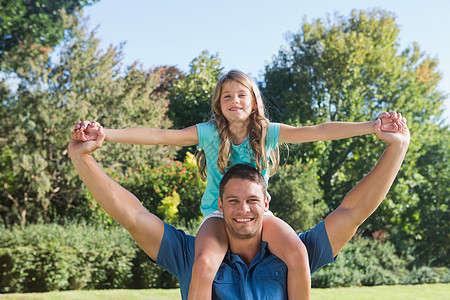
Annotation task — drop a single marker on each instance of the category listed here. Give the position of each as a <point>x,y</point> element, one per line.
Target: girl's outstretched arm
<point>140,135</point>
<point>390,122</point>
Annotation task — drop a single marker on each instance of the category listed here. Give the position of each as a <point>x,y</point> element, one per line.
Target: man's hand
<point>391,121</point>
<point>400,137</point>
<point>79,145</point>
<point>85,131</point>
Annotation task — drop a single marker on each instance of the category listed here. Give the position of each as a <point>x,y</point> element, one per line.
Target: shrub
<point>366,261</point>
<point>363,261</point>
<point>175,185</point>
<point>40,258</point>
<point>41,268</point>
<point>153,184</point>
<point>148,275</point>
<point>55,257</point>
<point>425,274</point>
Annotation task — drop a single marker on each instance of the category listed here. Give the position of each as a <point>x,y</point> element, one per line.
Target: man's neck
<point>246,249</point>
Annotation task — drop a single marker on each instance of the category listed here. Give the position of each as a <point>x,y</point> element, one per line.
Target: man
<point>248,271</point>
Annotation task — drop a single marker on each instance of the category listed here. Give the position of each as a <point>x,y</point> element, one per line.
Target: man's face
<point>243,205</point>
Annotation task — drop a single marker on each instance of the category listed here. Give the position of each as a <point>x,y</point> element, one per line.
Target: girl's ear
<point>254,104</point>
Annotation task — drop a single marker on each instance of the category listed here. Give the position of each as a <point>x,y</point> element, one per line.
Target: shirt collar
<point>233,258</point>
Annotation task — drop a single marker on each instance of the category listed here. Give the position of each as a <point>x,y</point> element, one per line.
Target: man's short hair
<point>244,172</point>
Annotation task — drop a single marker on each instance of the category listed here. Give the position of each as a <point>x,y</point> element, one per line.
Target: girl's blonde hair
<point>257,129</point>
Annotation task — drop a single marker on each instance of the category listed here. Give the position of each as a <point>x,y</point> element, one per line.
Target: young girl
<point>239,133</point>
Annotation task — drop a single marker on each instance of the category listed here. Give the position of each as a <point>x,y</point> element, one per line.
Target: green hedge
<point>51,257</point>
<point>367,262</point>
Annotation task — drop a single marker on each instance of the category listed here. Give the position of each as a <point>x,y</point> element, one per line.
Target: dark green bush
<point>425,274</point>
<point>39,268</point>
<point>363,261</point>
<point>52,257</point>
<point>149,275</point>
<point>367,261</point>
<point>55,257</point>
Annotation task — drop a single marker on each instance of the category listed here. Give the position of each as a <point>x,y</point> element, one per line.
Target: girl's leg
<point>285,243</point>
<point>211,244</point>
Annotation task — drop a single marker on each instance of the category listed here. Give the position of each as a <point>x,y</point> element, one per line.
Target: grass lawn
<point>400,292</point>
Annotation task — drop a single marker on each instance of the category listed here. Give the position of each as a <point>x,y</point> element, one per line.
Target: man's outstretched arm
<point>146,229</point>
<point>367,195</point>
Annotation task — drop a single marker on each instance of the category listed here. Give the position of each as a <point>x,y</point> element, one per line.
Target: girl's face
<point>236,101</point>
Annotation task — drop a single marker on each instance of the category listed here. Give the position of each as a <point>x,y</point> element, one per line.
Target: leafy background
<point>348,69</point>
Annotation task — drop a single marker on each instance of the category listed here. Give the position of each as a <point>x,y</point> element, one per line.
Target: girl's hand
<point>391,122</point>
<point>86,131</point>
<point>79,147</point>
<point>400,137</point>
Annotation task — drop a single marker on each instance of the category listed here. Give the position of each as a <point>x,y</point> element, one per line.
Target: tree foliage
<point>27,22</point>
<point>423,221</point>
<point>346,69</point>
<point>190,97</point>
<point>351,69</point>
<point>82,82</point>
<point>296,195</point>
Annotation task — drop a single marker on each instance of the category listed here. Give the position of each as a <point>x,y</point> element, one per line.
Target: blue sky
<point>247,34</point>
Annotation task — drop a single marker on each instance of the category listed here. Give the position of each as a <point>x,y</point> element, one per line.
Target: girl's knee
<point>206,265</point>
<point>296,256</point>
<point>205,259</point>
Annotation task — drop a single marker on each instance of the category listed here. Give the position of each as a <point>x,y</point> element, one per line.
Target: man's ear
<point>220,205</point>
<point>266,204</point>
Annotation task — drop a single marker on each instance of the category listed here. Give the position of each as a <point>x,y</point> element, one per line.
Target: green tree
<point>190,96</point>
<point>25,22</point>
<point>296,195</point>
<point>81,82</point>
<point>351,69</point>
<point>424,220</point>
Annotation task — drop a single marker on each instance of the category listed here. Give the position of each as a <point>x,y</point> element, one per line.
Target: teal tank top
<point>209,141</point>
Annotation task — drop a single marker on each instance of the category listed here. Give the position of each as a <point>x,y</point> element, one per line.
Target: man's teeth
<point>243,220</point>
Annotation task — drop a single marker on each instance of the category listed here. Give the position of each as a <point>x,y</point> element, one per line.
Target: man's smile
<point>242,220</point>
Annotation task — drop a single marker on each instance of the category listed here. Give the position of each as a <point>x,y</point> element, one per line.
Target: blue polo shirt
<point>265,278</point>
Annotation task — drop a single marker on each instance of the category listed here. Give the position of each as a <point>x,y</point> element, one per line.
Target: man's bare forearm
<point>367,195</point>
<point>364,198</point>
<point>114,199</point>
